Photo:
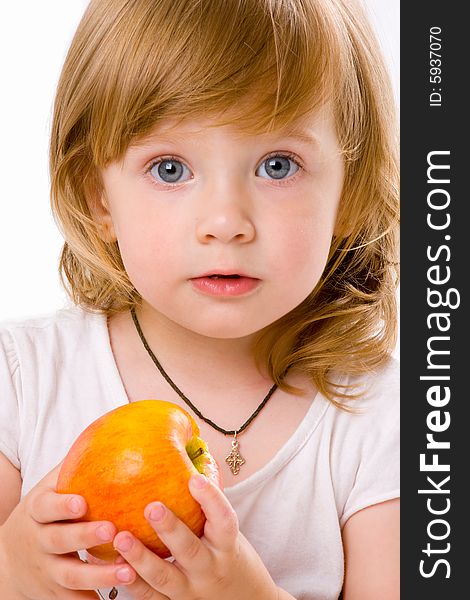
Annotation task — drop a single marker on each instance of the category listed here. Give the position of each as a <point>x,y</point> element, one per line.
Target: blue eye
<point>277,166</point>
<point>170,170</point>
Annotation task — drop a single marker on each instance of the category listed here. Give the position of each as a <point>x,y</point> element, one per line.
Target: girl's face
<point>223,233</point>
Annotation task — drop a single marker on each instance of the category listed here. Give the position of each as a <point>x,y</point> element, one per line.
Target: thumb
<point>49,481</point>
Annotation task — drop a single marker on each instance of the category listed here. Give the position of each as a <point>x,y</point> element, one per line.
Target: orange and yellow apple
<point>136,454</point>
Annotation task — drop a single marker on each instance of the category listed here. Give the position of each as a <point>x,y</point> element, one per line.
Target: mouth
<point>220,276</point>
<point>225,284</point>
<point>224,274</point>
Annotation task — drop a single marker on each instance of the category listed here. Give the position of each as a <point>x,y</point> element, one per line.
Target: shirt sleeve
<point>10,386</point>
<point>377,447</point>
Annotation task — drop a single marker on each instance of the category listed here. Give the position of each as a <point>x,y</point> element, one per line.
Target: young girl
<point>224,175</point>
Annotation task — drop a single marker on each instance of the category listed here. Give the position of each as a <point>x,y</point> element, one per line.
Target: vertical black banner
<point>435,317</point>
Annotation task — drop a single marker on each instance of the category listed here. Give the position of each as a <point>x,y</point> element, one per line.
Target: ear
<point>104,221</point>
<point>99,209</point>
<point>342,229</point>
<point>345,224</point>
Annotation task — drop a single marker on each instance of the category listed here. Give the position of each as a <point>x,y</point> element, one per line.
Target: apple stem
<point>199,452</point>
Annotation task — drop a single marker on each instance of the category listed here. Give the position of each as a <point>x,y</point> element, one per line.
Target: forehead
<point>314,129</point>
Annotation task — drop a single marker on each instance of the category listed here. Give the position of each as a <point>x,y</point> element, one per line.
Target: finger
<point>221,528</point>
<point>73,574</point>
<point>190,552</point>
<point>64,538</point>
<point>92,560</point>
<point>160,574</point>
<point>141,590</point>
<point>46,506</point>
<point>49,481</point>
<point>76,595</point>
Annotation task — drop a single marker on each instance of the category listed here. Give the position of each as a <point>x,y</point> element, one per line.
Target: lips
<point>225,284</point>
<point>226,273</point>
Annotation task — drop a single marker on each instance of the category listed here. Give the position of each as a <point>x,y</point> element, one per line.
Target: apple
<point>136,454</point>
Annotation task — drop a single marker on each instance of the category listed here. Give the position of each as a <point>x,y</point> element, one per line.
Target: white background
<point>34,37</point>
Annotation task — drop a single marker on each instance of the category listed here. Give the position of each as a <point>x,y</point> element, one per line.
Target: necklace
<point>235,460</point>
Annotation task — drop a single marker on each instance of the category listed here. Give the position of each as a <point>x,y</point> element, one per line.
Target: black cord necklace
<point>235,460</point>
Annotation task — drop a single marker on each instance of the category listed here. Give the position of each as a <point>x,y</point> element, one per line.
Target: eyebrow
<point>300,135</point>
<point>149,140</point>
<point>296,134</point>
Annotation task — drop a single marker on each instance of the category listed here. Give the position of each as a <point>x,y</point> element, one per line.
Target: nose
<point>225,215</point>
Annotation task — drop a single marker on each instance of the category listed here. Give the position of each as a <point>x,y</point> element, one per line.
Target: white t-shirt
<point>58,374</point>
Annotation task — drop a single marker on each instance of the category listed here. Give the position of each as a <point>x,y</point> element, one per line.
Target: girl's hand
<point>222,564</point>
<point>38,548</point>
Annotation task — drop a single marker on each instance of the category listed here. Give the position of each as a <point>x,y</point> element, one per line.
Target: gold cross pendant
<point>235,460</point>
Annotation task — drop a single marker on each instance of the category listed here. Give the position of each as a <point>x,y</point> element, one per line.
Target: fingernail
<point>199,481</point>
<point>124,575</point>
<point>75,505</point>
<point>157,512</point>
<point>104,533</point>
<point>124,543</point>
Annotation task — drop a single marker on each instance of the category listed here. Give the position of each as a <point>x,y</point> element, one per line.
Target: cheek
<point>148,249</point>
<point>303,263</point>
<point>302,248</point>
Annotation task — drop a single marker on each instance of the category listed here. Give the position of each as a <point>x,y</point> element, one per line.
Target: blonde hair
<point>133,63</point>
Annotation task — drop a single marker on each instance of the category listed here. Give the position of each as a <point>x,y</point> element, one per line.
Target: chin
<point>223,320</point>
<point>223,331</point>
